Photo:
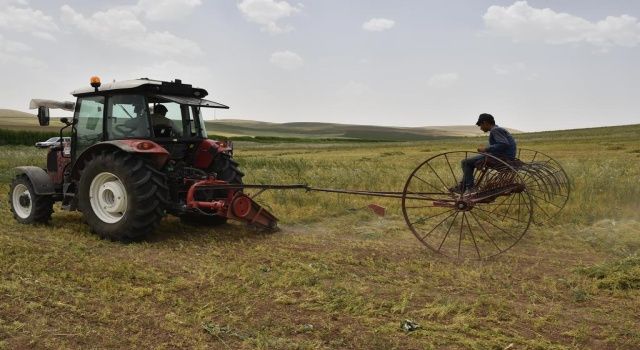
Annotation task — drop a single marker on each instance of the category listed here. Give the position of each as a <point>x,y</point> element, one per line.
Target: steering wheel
<point>163,131</point>
<point>127,128</point>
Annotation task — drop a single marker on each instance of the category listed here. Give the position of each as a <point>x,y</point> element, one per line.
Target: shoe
<point>456,189</point>
<point>470,191</point>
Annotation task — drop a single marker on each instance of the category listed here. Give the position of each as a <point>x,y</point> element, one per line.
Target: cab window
<point>196,117</point>
<point>167,124</point>
<point>127,117</point>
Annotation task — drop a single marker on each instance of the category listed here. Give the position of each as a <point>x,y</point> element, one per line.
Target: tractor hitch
<point>236,205</point>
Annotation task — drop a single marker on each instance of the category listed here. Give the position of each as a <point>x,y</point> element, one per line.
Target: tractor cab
<point>139,151</point>
<point>167,113</point>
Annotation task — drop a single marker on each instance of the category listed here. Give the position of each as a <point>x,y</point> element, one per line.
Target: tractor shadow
<point>171,229</point>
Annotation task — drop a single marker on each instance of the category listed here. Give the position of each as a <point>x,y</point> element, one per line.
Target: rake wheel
<point>480,224</point>
<point>547,183</point>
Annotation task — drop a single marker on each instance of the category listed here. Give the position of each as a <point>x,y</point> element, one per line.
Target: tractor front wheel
<point>27,206</point>
<point>121,196</point>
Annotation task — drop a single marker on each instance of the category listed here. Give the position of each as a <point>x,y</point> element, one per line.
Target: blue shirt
<point>501,143</point>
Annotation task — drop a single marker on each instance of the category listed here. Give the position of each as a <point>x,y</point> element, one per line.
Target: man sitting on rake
<point>501,145</point>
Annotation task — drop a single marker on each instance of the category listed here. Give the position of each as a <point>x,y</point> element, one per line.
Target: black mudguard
<point>42,184</point>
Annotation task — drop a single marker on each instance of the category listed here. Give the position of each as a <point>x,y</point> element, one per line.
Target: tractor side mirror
<point>43,116</point>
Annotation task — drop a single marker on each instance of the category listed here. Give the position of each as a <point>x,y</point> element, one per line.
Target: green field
<point>335,276</point>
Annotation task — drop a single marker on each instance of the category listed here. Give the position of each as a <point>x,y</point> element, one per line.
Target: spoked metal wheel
<point>480,223</point>
<point>547,183</point>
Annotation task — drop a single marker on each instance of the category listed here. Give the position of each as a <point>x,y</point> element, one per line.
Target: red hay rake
<point>508,197</point>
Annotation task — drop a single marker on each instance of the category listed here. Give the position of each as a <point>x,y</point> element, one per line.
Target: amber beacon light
<point>95,82</point>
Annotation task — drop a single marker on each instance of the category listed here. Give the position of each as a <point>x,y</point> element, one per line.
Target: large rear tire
<point>121,196</point>
<point>226,169</point>
<point>27,206</point>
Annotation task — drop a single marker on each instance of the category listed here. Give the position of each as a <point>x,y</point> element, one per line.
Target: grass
<point>23,137</point>
<point>618,274</point>
<point>335,276</point>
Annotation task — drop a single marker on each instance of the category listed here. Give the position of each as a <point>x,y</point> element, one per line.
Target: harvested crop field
<point>336,276</point>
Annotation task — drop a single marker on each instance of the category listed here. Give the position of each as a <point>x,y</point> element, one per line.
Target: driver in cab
<point>162,126</point>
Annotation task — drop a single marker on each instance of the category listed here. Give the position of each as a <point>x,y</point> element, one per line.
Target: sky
<point>535,65</point>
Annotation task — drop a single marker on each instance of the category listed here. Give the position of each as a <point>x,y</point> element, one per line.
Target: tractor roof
<point>144,85</point>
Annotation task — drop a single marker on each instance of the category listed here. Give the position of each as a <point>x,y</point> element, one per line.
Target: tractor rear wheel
<point>27,206</point>
<point>227,170</point>
<point>121,196</point>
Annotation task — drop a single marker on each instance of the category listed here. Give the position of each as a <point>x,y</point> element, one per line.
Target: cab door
<point>88,119</point>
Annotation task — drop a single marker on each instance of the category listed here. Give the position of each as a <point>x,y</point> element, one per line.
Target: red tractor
<point>138,150</point>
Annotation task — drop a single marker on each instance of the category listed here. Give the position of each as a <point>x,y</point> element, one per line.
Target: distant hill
<point>15,120</point>
<point>232,127</point>
<point>17,114</point>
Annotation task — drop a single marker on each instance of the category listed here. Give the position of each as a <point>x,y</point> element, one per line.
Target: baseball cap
<point>159,109</point>
<point>485,117</point>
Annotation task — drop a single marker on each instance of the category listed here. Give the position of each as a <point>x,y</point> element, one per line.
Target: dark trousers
<point>468,165</point>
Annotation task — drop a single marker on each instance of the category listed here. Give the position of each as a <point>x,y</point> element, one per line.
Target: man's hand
<point>482,149</point>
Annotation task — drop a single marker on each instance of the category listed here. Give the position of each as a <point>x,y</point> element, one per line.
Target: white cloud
<point>517,69</point>
<point>13,47</point>
<point>509,68</point>
<point>521,22</point>
<point>443,80</point>
<point>354,89</point>
<point>10,2</point>
<point>170,70</point>
<point>378,24</point>
<point>268,12</point>
<point>13,52</point>
<point>28,20</point>
<point>166,10</point>
<point>121,26</point>
<point>287,60</point>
